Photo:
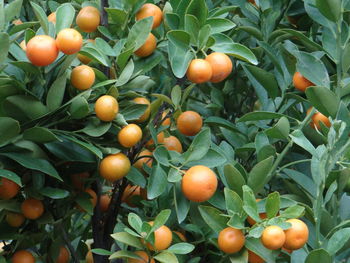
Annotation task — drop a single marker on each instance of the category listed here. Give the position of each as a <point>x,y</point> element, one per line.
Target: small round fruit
<point>106,108</point>
<point>130,192</point>
<point>89,257</point>
<point>105,200</point>
<point>221,66</point>
<point>42,50</point>
<point>130,135</point>
<point>252,222</point>
<point>300,82</point>
<point>199,71</point>
<point>273,237</point>
<point>147,113</point>
<point>254,258</point>
<point>88,19</point>
<point>199,183</point>
<point>15,219</point>
<point>162,238</point>
<point>143,255</point>
<point>32,208</point>
<point>144,160</point>
<point>23,45</point>
<point>181,236</point>
<point>78,180</point>
<point>93,197</point>
<point>23,256</point>
<point>160,139</point>
<point>231,240</point>
<point>166,121</point>
<point>317,118</point>
<point>189,123</point>
<point>69,41</point>
<point>297,235</point>
<point>148,47</point>
<point>8,188</point>
<point>82,77</point>
<point>84,59</point>
<point>114,167</point>
<point>173,144</point>
<point>148,10</point>
<point>63,256</point>
<point>52,17</point>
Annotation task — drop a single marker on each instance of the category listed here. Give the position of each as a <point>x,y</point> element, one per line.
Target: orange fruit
<point>300,82</point>
<point>89,257</point>
<point>189,123</point>
<point>181,236</point>
<point>63,256</point>
<point>32,208</point>
<point>82,77</point>
<point>42,50</point>
<point>199,183</point>
<point>143,255</point>
<point>221,66</point>
<point>130,135</point>
<point>69,41</point>
<point>160,139</point>
<point>162,238</point>
<point>147,112</point>
<point>93,195</point>
<point>129,193</point>
<point>78,180</point>
<point>8,188</point>
<point>106,108</point>
<point>23,45</point>
<point>15,219</point>
<point>273,237</point>
<point>17,22</point>
<point>105,200</point>
<point>254,258</point>
<point>144,160</point>
<point>23,256</point>
<point>317,118</point>
<point>297,235</point>
<point>88,19</point>
<point>167,121</point>
<point>52,17</point>
<point>148,47</point>
<point>173,144</point>
<point>252,222</point>
<point>231,240</point>
<point>148,10</point>
<point>114,167</point>
<point>199,71</point>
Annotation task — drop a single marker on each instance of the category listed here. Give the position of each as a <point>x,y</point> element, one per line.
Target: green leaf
<point>40,14</point>
<point>192,27</point>
<point>272,204</point>
<point>260,115</point>
<point>203,36</point>
<point>212,159</point>
<point>255,245</point>
<point>330,9</point>
<point>199,9</point>
<point>324,100</point>
<point>294,211</point>
<point>166,257</point>
<point>124,254</point>
<point>299,138</point>
<point>11,176</point>
<point>39,135</point>
<point>234,179</point>
<point>176,95</point>
<point>257,177</point>
<point>249,203</point>
<point>213,217</point>
<point>54,193</point>
<point>96,128</point>
<point>100,251</point>
<point>88,146</point>
<point>199,146</point>
<point>161,155</point>
<point>139,33</point>
<point>161,219</point>
<point>22,106</point>
<point>13,9</point>
<point>64,16</point>
<point>2,16</point>
<point>280,130</point>
<point>56,93</point>
<point>233,202</point>
<point>181,248</point>
<point>236,50</point>
<point>318,255</point>
<point>136,177</point>
<point>219,25</point>
<point>157,182</point>
<point>133,112</point>
<point>79,108</point>
<point>127,239</point>
<point>118,16</point>
<point>135,222</point>
<point>126,74</point>
<point>21,27</point>
<point>9,129</point>
<point>338,240</point>
<point>182,205</point>
<point>4,46</point>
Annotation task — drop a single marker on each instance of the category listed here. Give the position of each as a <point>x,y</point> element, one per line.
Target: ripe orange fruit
<point>181,236</point>
<point>8,188</point>
<point>143,255</point>
<point>131,191</point>
<point>147,112</point>
<point>252,222</point>
<point>148,10</point>
<point>23,256</point>
<point>199,183</point>
<point>32,208</point>
<point>69,41</point>
<point>52,17</point>
<point>148,47</point>
<point>144,160</point>
<point>82,77</point>
<point>231,240</point>
<point>89,257</point>
<point>15,219</point>
<point>114,167</point>
<point>273,237</point>
<point>88,19</point>
<point>189,123</point>
<point>199,71</point>
<point>106,108</point>
<point>221,66</point>
<point>162,238</point>
<point>105,200</point>
<point>93,195</point>
<point>78,180</point>
<point>317,118</point>
<point>160,139</point>
<point>300,82</point>
<point>23,45</point>
<point>297,235</point>
<point>63,256</point>
<point>254,258</point>
<point>173,144</point>
<point>42,50</point>
<point>130,135</point>
<point>167,121</point>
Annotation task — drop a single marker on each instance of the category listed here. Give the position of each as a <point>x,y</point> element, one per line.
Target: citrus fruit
<point>23,45</point>
<point>147,112</point>
<point>273,237</point>
<point>162,238</point>
<point>199,183</point>
<point>297,235</point>
<point>63,255</point>
<point>254,258</point>
<point>130,135</point>
<point>78,180</point>
<point>166,121</point>
<point>52,17</point>
<point>300,82</point>
<point>317,118</point>
<point>252,222</point>
<point>89,257</point>
<point>143,255</point>
<point>142,159</point>
<point>17,22</point>
<point>130,192</point>
<point>105,200</point>
<point>148,47</point>
<point>93,197</point>
<point>189,123</point>
<point>199,71</point>
<point>8,188</point>
<point>221,66</point>
<point>231,240</point>
<point>148,10</point>
<point>114,167</point>
<point>82,77</point>
<point>32,208</point>
<point>42,50</point>
<point>181,236</point>
<point>15,219</point>
<point>23,256</point>
<point>160,139</point>
<point>173,144</point>
<point>69,41</point>
<point>88,19</point>
<point>106,108</point>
